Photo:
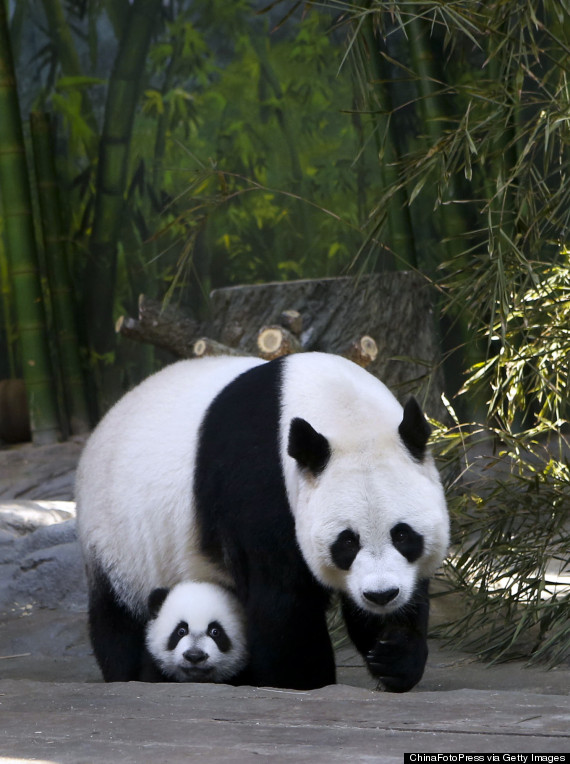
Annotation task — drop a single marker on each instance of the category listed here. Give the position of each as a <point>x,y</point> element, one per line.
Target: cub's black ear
<point>155,600</point>
<point>414,429</point>
<point>308,447</point>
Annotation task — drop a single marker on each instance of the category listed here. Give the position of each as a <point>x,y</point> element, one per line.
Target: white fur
<point>370,484</point>
<point>135,510</point>
<point>198,604</point>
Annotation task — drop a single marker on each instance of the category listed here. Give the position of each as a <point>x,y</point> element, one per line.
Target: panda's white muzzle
<point>381,583</point>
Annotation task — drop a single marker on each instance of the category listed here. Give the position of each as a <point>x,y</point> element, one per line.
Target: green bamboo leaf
<point>418,187</point>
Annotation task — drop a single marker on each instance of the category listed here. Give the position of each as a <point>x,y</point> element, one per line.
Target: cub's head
<point>370,513</point>
<point>196,632</point>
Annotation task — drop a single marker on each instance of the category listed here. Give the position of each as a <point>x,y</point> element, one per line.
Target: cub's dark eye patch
<point>217,632</point>
<point>345,548</point>
<point>180,631</point>
<point>407,541</point>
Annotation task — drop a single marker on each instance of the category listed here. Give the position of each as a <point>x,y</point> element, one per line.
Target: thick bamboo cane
<point>122,98</point>
<point>434,120</point>
<point>6,298</point>
<point>22,255</point>
<point>58,274</point>
<point>398,214</point>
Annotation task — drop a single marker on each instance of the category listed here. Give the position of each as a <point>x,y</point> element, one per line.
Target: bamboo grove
<point>175,147</point>
<point>474,103</point>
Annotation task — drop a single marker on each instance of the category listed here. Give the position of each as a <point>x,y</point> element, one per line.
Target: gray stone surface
<point>31,472</point>
<point>40,559</point>
<point>54,707</point>
<point>216,723</point>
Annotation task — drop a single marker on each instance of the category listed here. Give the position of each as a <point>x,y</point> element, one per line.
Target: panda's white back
<point>138,464</point>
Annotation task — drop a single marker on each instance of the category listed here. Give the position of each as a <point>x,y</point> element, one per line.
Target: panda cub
<point>196,633</point>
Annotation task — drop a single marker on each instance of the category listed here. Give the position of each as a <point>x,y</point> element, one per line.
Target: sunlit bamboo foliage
<point>511,505</point>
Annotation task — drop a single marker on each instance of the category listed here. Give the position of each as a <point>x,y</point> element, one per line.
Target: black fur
<point>414,429</point>
<point>345,548</point>
<point>407,541</point>
<point>149,670</point>
<point>116,634</point>
<point>308,447</point>
<point>156,600</point>
<point>176,636</point>
<point>217,632</point>
<point>246,524</point>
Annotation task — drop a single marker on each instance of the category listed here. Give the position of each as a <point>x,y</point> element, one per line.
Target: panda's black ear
<point>155,600</point>
<point>414,429</point>
<point>308,447</point>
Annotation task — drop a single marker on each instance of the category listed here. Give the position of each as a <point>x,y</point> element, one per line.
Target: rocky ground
<point>54,707</point>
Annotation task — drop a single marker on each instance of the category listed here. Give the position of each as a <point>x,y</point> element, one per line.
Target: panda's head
<point>370,513</point>
<point>196,632</point>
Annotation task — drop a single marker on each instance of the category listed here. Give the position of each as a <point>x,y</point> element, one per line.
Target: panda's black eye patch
<point>407,541</point>
<point>180,631</point>
<point>345,548</point>
<point>217,632</point>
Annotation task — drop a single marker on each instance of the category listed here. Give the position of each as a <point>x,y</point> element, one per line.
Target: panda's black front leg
<point>116,634</point>
<point>288,640</point>
<point>393,646</point>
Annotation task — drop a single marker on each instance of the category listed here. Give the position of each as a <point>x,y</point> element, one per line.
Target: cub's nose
<point>195,656</point>
<point>381,598</point>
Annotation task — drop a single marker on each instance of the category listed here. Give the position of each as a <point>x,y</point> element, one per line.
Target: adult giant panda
<point>285,480</point>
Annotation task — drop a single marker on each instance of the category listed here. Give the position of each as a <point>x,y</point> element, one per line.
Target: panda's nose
<point>195,656</point>
<point>381,598</point>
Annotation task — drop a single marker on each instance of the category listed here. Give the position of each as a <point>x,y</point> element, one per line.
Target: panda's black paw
<point>398,658</point>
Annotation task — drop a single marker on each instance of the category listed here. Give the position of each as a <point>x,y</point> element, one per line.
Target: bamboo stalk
<point>7,313</point>
<point>58,274</point>
<point>118,12</point>
<point>122,98</point>
<point>398,213</point>
<point>433,115</point>
<point>22,255</point>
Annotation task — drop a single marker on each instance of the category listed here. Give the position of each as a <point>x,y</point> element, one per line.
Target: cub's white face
<point>373,531</point>
<point>198,635</point>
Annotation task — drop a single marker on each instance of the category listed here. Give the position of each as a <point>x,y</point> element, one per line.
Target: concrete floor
<point>54,707</point>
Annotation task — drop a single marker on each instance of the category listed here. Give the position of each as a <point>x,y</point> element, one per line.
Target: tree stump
<point>393,309</point>
<point>383,322</point>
